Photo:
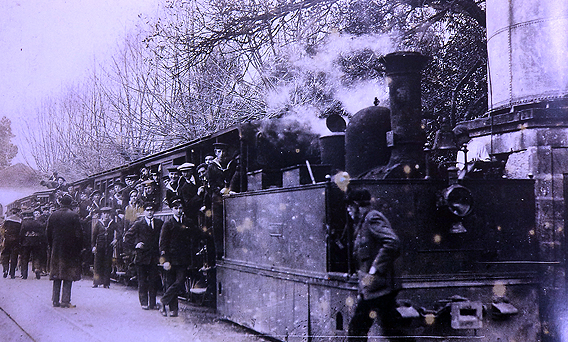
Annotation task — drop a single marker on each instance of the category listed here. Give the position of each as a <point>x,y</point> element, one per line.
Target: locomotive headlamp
<point>458,200</point>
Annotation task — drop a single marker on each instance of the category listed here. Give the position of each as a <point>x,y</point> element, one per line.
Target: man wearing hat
<point>219,174</point>
<point>375,248</point>
<point>187,171</point>
<point>174,184</point>
<point>11,233</point>
<point>150,193</point>
<point>188,192</point>
<point>65,239</point>
<point>102,245</point>
<point>179,241</point>
<point>144,236</point>
<point>33,243</point>
<point>221,170</point>
<point>115,195</point>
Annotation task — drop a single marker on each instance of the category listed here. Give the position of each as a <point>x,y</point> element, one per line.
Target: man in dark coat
<point>33,243</point>
<point>102,245</point>
<point>11,234</point>
<point>188,192</point>
<point>375,248</point>
<point>179,241</point>
<point>144,237</point>
<point>65,238</point>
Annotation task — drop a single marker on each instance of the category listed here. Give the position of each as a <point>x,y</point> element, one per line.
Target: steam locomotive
<point>284,265</point>
<point>482,257</point>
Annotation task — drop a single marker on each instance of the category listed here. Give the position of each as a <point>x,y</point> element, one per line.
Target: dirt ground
<point>27,314</point>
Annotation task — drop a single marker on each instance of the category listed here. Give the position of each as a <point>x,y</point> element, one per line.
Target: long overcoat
<point>376,245</point>
<point>65,238</point>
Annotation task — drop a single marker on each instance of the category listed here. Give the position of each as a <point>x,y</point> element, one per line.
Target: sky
<point>48,44</point>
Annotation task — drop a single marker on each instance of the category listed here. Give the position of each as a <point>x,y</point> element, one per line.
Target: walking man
<point>11,233</point>
<point>144,237</point>
<point>375,248</point>
<point>33,243</point>
<point>65,239</point>
<point>178,245</point>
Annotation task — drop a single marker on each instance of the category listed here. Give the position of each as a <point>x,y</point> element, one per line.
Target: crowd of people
<point>88,227</point>
<point>113,229</point>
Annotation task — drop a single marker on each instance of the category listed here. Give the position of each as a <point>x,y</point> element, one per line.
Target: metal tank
<point>332,149</point>
<point>365,140</point>
<point>527,45</point>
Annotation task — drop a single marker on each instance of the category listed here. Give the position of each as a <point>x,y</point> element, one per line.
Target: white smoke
<point>322,71</point>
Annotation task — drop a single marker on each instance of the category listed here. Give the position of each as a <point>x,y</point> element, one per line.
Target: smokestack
<point>406,138</point>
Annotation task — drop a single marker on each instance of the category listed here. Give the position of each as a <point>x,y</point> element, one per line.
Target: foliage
<point>203,65</point>
<point>8,151</point>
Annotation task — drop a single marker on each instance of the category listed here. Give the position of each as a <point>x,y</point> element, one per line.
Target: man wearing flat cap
<point>65,239</point>
<point>375,248</point>
<point>102,245</point>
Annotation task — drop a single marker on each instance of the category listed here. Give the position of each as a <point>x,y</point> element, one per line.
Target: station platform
<point>114,314</point>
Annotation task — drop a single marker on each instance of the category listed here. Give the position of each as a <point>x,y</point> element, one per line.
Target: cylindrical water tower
<point>527,43</point>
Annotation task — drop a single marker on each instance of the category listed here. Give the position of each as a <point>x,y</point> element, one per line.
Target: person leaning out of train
<point>473,151</point>
<point>33,243</point>
<point>376,247</point>
<point>179,241</point>
<point>144,236</point>
<point>173,185</point>
<point>188,191</point>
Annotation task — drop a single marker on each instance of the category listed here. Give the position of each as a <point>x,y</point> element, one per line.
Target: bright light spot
<point>499,289</point>
<point>437,238</point>
<point>297,150</point>
<point>532,232</point>
<point>342,179</point>
<point>560,230</point>
<point>349,301</point>
<point>208,213</point>
<point>324,305</point>
<point>499,228</point>
<point>372,314</point>
<point>246,225</point>
<point>407,169</point>
<point>429,319</point>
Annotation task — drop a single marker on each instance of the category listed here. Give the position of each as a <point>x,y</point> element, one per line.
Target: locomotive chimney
<point>406,138</point>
